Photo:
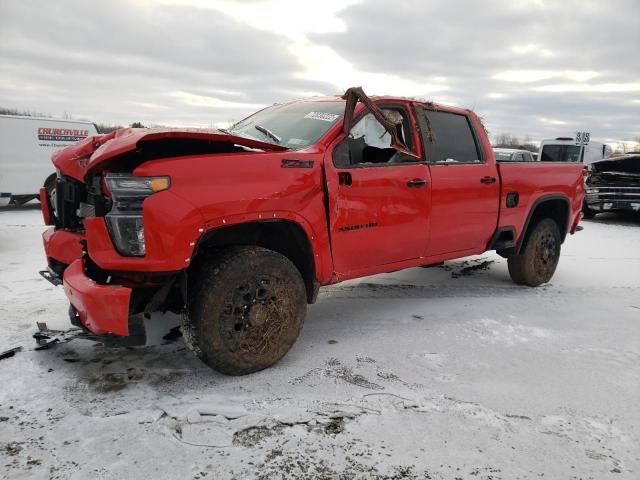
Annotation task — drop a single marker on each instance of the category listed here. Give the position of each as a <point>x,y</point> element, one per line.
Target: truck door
<point>465,186</point>
<point>378,196</point>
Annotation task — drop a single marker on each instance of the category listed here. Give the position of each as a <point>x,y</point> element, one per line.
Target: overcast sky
<point>543,68</point>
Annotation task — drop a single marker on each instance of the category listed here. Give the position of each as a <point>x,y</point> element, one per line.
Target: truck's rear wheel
<point>537,263</point>
<point>246,308</point>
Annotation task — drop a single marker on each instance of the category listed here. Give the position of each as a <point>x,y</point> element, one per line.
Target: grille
<point>69,194</point>
<point>631,194</point>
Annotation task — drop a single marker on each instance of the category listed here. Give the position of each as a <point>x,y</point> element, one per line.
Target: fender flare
<point>315,242</point>
<point>539,201</point>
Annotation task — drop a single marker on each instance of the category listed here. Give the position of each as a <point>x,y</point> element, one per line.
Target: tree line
<point>101,127</point>
<point>506,140</point>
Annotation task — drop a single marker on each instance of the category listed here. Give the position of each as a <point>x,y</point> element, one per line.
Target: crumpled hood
<point>624,164</point>
<point>79,158</point>
<point>623,170</point>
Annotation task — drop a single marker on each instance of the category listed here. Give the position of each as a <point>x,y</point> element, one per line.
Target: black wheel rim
<point>255,316</point>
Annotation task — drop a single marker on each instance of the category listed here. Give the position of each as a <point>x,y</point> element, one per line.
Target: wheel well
<point>282,236</point>
<point>556,208</point>
<point>51,178</point>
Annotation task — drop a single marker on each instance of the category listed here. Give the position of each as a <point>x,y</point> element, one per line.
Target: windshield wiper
<point>268,133</point>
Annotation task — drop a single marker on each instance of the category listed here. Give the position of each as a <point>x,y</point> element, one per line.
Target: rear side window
<point>453,139</point>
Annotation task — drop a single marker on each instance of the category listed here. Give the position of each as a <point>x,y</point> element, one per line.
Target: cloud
<point>514,62</point>
<point>207,101</point>
<point>205,62</point>
<point>98,60</point>
<point>593,88</point>
<point>532,48</point>
<point>530,76</point>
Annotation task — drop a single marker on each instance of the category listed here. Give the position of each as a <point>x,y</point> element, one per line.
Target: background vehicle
<point>613,185</point>
<point>568,149</point>
<point>238,229</point>
<point>513,155</point>
<point>26,145</point>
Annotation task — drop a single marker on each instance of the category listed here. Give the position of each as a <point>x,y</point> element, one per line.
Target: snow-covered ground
<point>440,373</point>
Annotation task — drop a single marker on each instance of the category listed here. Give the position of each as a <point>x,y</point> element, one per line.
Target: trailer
<point>26,146</point>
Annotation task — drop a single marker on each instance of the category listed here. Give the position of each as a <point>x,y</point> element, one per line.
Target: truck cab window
<point>453,140</point>
<point>369,143</point>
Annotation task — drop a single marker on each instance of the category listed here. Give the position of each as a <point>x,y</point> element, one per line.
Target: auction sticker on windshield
<point>325,117</point>
<point>297,141</point>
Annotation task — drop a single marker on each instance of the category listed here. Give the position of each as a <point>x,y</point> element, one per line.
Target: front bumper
<point>603,198</point>
<point>62,246</point>
<point>102,309</point>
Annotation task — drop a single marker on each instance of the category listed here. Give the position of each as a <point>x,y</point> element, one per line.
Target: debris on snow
<point>10,353</point>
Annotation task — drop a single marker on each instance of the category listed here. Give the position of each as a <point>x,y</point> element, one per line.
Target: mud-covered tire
<point>246,308</point>
<point>538,260</point>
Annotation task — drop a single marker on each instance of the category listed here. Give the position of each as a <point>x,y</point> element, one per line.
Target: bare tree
<point>506,140</point>
<point>22,113</point>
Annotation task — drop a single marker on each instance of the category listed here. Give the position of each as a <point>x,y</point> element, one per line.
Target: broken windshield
<point>296,125</point>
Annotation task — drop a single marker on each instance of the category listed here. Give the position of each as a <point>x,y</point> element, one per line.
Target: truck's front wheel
<point>246,308</point>
<point>538,260</point>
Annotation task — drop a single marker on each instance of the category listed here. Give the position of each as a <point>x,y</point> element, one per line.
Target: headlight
<point>124,221</point>
<point>593,190</point>
<point>128,185</point>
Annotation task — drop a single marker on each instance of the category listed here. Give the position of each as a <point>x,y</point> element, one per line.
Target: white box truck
<point>26,146</point>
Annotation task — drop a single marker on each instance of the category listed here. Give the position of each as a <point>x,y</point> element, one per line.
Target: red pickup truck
<point>237,229</point>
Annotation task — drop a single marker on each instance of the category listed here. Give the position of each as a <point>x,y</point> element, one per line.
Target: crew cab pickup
<point>237,229</point>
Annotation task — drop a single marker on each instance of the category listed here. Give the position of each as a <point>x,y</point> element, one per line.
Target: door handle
<point>488,179</point>
<point>344,178</point>
<point>417,182</point>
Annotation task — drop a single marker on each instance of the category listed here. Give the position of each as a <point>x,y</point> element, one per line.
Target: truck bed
<point>533,182</point>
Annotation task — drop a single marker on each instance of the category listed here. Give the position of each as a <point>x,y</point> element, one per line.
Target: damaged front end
<point>614,185</point>
<point>112,241</point>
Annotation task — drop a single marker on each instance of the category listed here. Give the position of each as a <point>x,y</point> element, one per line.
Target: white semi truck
<point>26,145</point>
